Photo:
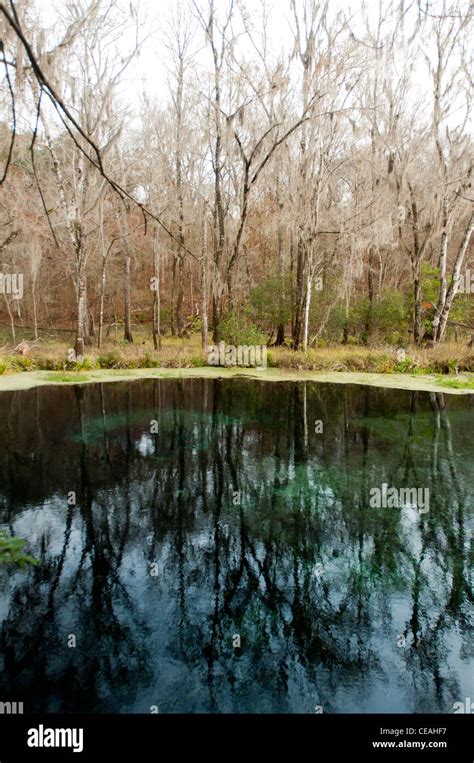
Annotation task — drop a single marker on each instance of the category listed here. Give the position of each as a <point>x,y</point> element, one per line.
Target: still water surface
<point>210,512</point>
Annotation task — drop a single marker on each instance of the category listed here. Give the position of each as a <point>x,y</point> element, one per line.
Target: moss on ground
<point>464,384</point>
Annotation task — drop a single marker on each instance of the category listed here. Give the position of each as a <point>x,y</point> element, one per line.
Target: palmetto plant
<point>11,551</point>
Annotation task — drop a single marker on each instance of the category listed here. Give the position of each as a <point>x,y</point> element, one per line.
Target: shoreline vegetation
<point>459,385</point>
<point>445,368</point>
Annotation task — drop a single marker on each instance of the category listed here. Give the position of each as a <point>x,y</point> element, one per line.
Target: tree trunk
<point>103,279</point>
<point>179,193</point>
<point>451,292</point>
<point>307,305</point>
<point>180,300</point>
<point>299,296</point>
<point>345,331</point>
<point>82,334</point>
<point>417,323</point>
<point>203,288</point>
<point>156,293</point>
<point>443,255</point>
<point>10,315</point>
<point>127,318</point>
<point>280,337</point>
<point>370,287</point>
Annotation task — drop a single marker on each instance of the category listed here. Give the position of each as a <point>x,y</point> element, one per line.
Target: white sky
<point>148,73</point>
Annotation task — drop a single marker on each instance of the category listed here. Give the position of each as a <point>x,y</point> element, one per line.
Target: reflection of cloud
<point>249,569</point>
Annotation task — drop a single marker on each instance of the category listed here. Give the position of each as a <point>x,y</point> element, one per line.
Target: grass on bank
<point>51,354</point>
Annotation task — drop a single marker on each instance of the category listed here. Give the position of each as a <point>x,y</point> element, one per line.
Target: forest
<point>236,373</point>
<point>296,175</point>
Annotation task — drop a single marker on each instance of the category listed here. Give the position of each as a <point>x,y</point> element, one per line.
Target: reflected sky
<point>215,513</point>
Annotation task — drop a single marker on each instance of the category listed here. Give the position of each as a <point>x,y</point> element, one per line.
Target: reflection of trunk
<point>409,462</point>
<point>305,415</point>
<point>435,407</point>
<point>104,423</point>
<point>219,486</point>
<point>180,529</point>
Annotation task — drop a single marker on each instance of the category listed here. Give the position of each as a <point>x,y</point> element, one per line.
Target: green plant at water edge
<point>198,361</point>
<point>67,376</point>
<point>147,361</point>
<point>11,551</point>
<point>455,383</point>
<point>22,364</point>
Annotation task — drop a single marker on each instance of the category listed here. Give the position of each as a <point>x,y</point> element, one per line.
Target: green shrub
<point>114,360</point>
<point>11,551</point>
<point>21,363</point>
<point>51,364</point>
<point>147,361</point>
<point>271,360</point>
<point>198,361</point>
<point>404,366</point>
<point>386,364</point>
<point>270,303</point>
<point>86,364</point>
<point>352,340</point>
<point>322,343</point>
<point>396,339</point>
<point>236,329</point>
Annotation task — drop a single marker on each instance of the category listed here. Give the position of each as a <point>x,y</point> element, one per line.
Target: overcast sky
<point>148,73</point>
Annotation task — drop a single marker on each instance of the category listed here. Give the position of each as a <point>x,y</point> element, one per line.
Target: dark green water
<point>236,519</point>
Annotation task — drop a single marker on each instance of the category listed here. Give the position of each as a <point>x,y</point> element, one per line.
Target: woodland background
<point>309,188</point>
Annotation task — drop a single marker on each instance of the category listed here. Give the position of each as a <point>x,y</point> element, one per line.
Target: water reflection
<point>233,516</point>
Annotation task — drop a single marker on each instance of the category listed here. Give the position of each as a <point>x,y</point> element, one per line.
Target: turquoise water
<point>222,553</point>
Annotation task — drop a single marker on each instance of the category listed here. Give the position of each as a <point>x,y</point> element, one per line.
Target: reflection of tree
<point>110,651</point>
<point>251,567</point>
